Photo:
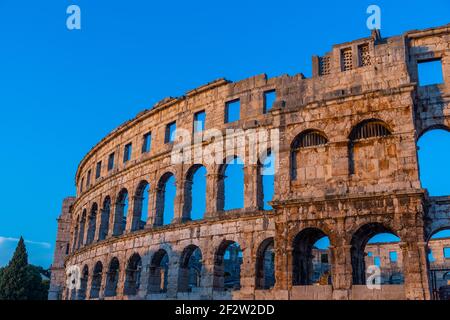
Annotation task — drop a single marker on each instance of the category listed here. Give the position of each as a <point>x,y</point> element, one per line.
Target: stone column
<point>131,215</point>
<point>152,196</point>
<point>415,270</point>
<point>112,219</point>
<point>179,199</point>
<point>248,274</point>
<point>283,259</point>
<point>214,199</point>
<point>341,271</point>
<point>172,277</point>
<point>253,197</point>
<point>101,294</point>
<point>207,273</point>
<point>187,200</point>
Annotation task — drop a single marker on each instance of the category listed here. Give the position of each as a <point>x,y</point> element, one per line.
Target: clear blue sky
<point>61,91</point>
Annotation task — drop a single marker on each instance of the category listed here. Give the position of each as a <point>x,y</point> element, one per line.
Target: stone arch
<point>120,214</point>
<point>227,266</point>
<point>360,239</point>
<point>304,266</point>
<point>96,281</point>
<point>190,269</point>
<point>431,128</point>
<point>92,221</point>
<point>162,216</point>
<point>432,158</point>
<point>133,275</point>
<point>237,181</point>
<point>194,170</point>
<point>159,269</point>
<point>83,283</point>
<point>140,207</point>
<point>305,139</point>
<point>112,278</point>
<point>265,264</point>
<point>104,219</point>
<point>369,128</point>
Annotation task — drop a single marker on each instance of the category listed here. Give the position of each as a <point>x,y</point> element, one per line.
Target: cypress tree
<point>19,280</point>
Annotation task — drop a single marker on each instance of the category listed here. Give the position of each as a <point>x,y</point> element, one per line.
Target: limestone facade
<point>347,169</point>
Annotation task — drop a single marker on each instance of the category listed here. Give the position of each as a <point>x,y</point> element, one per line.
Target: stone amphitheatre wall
<point>353,184</point>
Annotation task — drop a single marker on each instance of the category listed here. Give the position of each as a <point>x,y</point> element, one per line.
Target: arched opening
<point>195,184</point>
<point>96,280</point>
<point>104,219</point>
<point>227,266</point>
<point>92,224</point>
<point>265,265</point>
<point>83,283</point>
<point>190,269</point>
<point>311,257</point>
<point>267,178</point>
<point>165,199</point>
<point>81,229</point>
<point>438,247</point>
<point>362,155</point>
<point>231,185</point>
<point>120,215</point>
<point>375,247</point>
<point>140,212</point>
<point>307,139</point>
<point>133,275</point>
<point>112,278</point>
<point>159,270</point>
<point>434,156</point>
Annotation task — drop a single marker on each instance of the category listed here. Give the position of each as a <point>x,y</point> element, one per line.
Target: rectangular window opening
<point>377,261</point>
<point>127,152</point>
<point>232,111</point>
<point>393,256</point>
<point>147,143</point>
<point>430,72</point>
<point>88,179</point>
<point>171,128</point>
<point>346,59</point>
<point>269,100</point>
<point>447,253</point>
<point>199,121</point>
<point>111,162</point>
<point>98,170</point>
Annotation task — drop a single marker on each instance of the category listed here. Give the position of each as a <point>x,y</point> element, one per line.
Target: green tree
<point>21,281</point>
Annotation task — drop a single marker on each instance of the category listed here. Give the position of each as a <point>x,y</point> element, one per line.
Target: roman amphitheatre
<point>347,170</point>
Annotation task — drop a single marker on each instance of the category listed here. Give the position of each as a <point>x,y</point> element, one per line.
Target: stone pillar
<point>98,219</point>
<point>179,199</point>
<point>187,200</point>
<point>112,219</point>
<point>341,271</point>
<point>212,200</point>
<point>207,273</point>
<point>101,294</point>
<point>248,275</point>
<point>131,214</point>
<point>121,281</point>
<point>415,270</point>
<point>283,259</point>
<point>253,198</point>
<point>152,196</point>
<point>172,277</point>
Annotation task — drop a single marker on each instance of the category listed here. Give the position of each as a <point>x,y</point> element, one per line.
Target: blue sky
<point>61,91</point>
